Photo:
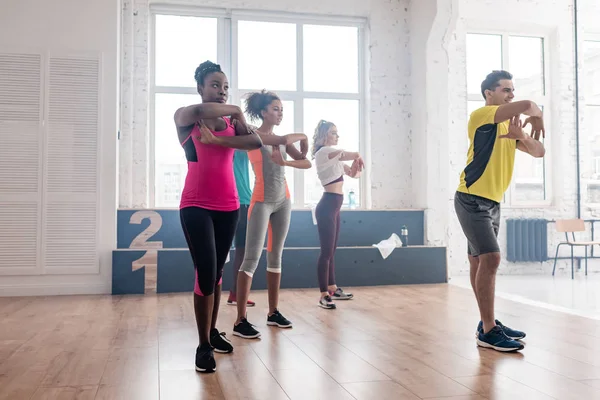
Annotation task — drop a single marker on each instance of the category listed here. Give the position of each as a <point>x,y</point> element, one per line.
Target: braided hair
<point>258,101</point>
<point>205,69</point>
<point>320,136</point>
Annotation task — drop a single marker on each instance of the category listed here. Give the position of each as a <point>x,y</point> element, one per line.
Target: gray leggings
<point>274,217</point>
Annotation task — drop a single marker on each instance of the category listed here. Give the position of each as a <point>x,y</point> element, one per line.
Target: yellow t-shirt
<point>490,161</point>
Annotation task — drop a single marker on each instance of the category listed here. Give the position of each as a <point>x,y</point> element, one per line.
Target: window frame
<point>227,25</point>
<point>588,37</point>
<point>544,101</point>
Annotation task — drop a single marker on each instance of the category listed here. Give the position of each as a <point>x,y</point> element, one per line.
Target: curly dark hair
<point>205,69</point>
<point>258,101</point>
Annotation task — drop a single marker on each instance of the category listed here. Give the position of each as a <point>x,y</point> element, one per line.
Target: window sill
<point>527,206</point>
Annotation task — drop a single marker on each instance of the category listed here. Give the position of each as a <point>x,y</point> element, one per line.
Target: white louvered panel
<point>70,237</point>
<point>18,237</point>
<point>19,157</point>
<point>20,83</point>
<point>72,143</point>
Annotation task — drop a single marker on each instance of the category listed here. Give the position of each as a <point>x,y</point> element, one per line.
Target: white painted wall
<point>432,23</point>
<point>71,26</point>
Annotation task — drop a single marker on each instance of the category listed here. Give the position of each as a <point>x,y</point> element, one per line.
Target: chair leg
<point>555,258</point>
<point>585,260</point>
<point>572,267</point>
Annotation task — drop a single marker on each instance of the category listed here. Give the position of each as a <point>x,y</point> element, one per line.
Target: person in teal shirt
<point>241,169</point>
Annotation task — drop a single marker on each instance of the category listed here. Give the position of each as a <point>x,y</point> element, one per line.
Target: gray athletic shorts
<point>480,221</point>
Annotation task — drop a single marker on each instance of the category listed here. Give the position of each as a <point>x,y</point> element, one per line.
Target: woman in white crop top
<point>331,170</point>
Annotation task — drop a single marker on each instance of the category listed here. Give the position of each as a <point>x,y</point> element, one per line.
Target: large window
<point>315,66</point>
<point>590,151</point>
<point>524,58</point>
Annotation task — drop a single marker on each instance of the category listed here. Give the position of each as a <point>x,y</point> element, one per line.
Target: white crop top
<point>328,170</point>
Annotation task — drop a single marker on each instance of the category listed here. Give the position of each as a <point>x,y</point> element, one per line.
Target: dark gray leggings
<point>328,224</point>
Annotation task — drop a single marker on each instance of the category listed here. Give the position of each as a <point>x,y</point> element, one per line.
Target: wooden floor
<point>395,343</point>
<point>579,296</point>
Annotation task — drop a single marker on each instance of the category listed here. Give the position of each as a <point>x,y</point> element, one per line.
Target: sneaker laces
<point>280,316</point>
<point>217,333</point>
<point>500,332</point>
<point>245,321</point>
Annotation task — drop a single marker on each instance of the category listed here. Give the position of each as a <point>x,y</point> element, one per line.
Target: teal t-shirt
<point>241,169</point>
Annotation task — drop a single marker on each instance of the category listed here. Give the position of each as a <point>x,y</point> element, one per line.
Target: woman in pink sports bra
<point>209,132</point>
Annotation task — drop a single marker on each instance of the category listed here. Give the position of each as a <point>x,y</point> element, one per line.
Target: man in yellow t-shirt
<point>495,133</point>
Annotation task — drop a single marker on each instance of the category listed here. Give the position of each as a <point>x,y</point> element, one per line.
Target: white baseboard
<point>52,289</point>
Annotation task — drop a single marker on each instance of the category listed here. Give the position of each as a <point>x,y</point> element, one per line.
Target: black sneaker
<point>276,319</point>
<point>245,330</point>
<point>496,339</point>
<point>205,359</point>
<point>327,303</point>
<point>511,333</point>
<point>219,341</point>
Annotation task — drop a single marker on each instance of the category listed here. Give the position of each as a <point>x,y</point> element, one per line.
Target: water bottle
<point>404,235</point>
<point>351,199</point>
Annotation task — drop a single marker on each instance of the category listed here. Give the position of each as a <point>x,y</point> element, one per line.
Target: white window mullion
<point>299,200</point>
<point>364,133</point>
<point>224,38</point>
<point>235,93</point>
<point>510,192</point>
<point>151,119</point>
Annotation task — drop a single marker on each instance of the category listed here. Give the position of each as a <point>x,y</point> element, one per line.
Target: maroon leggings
<point>328,223</point>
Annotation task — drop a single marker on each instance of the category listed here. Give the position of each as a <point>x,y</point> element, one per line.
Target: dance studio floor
<point>403,342</point>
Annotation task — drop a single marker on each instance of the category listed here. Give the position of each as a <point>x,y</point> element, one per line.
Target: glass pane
<point>591,72</point>
<point>330,58</point>
<point>170,163</point>
<point>526,63</point>
<point>484,54</point>
<point>590,155</point>
<point>257,68</point>
<point>344,114</point>
<point>529,176</point>
<point>198,38</point>
<point>286,126</point>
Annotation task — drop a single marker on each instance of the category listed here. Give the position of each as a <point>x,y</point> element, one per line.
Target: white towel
<point>388,245</point>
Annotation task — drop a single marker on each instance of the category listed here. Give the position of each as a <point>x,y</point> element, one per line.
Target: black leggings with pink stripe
<point>209,235</point>
<point>328,224</point>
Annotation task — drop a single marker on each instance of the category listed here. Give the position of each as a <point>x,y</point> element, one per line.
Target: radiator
<point>526,240</point>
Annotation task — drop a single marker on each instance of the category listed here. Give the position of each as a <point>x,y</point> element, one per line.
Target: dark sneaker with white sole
<point>276,319</point>
<point>326,302</point>
<point>496,339</point>
<point>219,342</point>
<point>511,333</point>
<point>245,330</point>
<point>205,358</point>
<point>339,294</point>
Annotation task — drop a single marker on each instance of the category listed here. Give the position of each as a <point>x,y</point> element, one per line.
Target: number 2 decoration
<point>142,241</point>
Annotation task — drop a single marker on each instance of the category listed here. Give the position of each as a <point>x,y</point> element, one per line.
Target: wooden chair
<point>571,226</point>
